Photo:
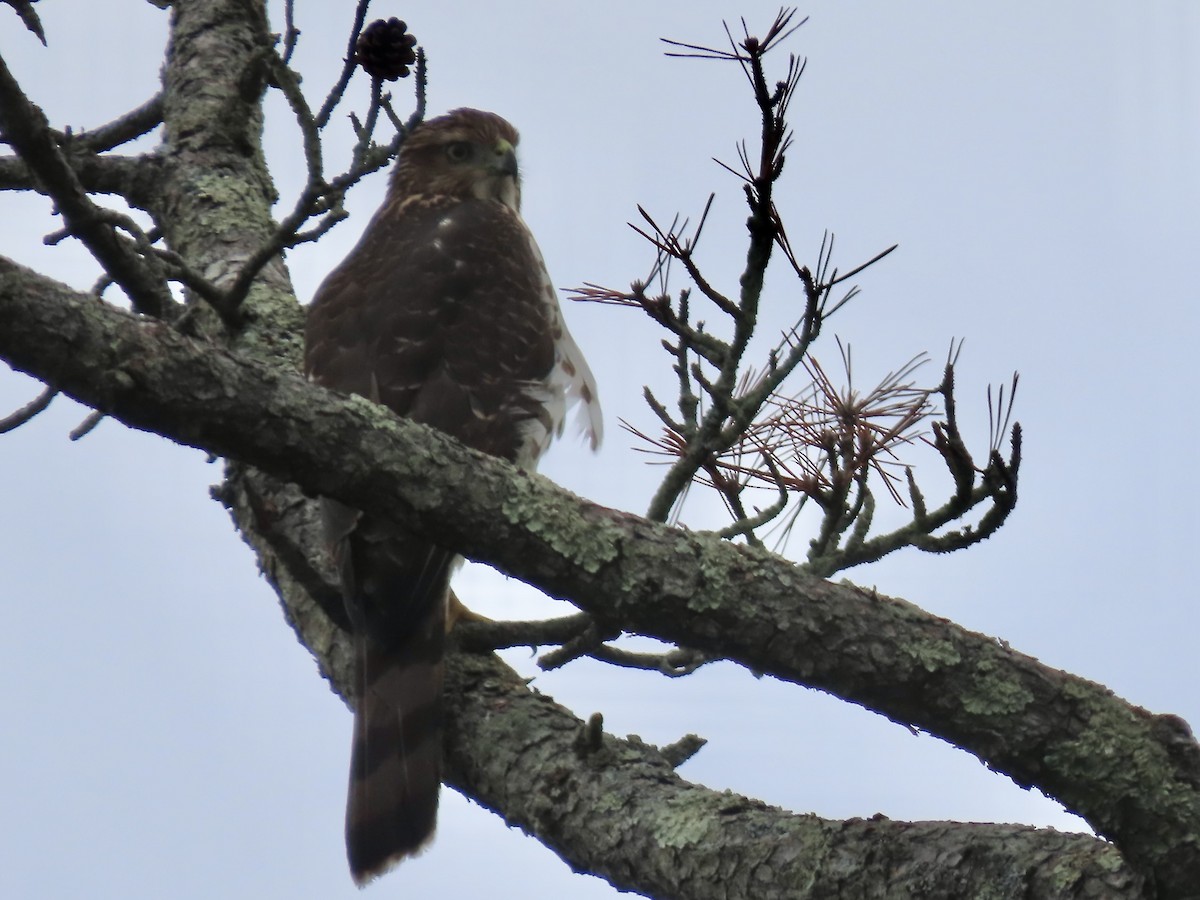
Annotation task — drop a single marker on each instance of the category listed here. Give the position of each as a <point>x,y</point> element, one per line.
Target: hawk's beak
<point>505,160</point>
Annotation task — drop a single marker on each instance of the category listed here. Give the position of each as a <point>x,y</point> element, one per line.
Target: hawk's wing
<point>571,380</point>
<point>439,314</point>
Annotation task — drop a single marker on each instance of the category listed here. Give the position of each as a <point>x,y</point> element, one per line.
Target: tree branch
<point>120,130</point>
<point>616,807</point>
<point>133,177</point>
<point>621,812</point>
<point>25,128</point>
<point>19,417</point>
<point>1134,779</point>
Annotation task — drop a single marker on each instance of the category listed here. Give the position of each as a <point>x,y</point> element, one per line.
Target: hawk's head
<point>466,153</point>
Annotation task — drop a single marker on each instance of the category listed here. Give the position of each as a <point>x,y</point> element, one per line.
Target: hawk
<point>445,314</point>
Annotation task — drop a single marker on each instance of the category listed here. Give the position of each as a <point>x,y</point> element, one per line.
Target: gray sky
<point>167,736</point>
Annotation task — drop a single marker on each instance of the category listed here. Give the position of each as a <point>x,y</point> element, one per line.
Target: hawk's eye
<point>459,151</point>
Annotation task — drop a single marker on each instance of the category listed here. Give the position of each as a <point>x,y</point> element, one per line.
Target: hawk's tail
<point>396,760</point>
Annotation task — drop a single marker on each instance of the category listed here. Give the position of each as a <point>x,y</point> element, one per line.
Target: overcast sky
<point>1036,163</point>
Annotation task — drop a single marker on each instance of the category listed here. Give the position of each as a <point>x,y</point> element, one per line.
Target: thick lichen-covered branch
<point>617,809</point>
<point>1039,726</point>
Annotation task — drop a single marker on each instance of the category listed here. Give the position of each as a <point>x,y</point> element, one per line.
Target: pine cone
<point>385,49</point>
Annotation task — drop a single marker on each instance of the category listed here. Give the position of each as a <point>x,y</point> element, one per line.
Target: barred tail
<point>396,760</point>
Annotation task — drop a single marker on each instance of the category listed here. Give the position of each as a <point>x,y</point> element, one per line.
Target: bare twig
<point>29,17</point>
<point>320,197</point>
<point>24,126</point>
<point>670,244</point>
<point>995,485</point>
<point>121,130</point>
<point>306,205</point>
<point>726,417</point>
<point>674,663</point>
<point>84,428</point>
<point>486,636</point>
<point>583,644</point>
<point>291,34</point>
<point>334,97</point>
<point>747,525</point>
<point>775,34</point>
<point>28,411</point>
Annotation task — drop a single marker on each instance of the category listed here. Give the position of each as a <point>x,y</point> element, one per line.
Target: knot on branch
<point>590,739</point>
